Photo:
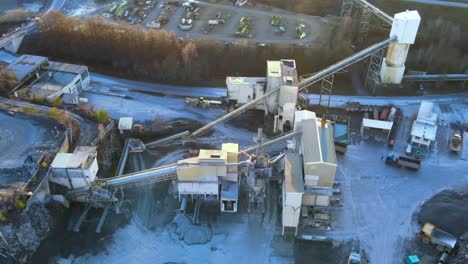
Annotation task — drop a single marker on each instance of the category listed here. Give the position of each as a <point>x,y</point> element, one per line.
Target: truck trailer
<point>401,161</point>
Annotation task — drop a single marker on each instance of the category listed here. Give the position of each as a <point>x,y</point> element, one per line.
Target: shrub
<point>102,116</point>
<point>30,109</point>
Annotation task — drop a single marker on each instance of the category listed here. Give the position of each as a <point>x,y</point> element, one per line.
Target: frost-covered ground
<point>235,240</point>
<point>378,199</point>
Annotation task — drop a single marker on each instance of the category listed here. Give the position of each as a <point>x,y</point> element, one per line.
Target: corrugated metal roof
<point>310,141</point>
<point>61,160</point>
<point>245,80</point>
<point>424,130</point>
<point>75,159</point>
<point>66,67</point>
<point>386,125</point>
<point>426,113</point>
<point>293,173</point>
<point>7,57</point>
<point>24,65</point>
<point>317,142</point>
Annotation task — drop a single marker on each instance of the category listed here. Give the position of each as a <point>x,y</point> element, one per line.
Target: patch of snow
<point>239,242</point>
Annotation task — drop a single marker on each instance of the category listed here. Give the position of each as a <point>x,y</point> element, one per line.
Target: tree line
<point>134,52</point>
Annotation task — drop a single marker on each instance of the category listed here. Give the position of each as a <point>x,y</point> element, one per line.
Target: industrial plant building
<point>212,174</point>
<point>310,171</point>
<point>281,75</point>
<point>75,170</point>
<point>44,79</point>
<point>424,129</point>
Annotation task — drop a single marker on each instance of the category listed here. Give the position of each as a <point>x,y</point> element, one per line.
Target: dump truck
<point>401,161</point>
<point>441,239</point>
<point>456,142</point>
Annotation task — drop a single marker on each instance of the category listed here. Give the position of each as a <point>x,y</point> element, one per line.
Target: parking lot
<point>317,30</point>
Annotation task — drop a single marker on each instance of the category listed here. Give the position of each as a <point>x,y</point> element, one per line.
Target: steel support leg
<point>346,8</point>
<point>373,72</point>
<point>326,90</point>
<point>364,23</point>
<point>103,217</point>
<point>76,228</point>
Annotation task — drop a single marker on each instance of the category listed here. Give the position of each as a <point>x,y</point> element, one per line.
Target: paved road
<point>100,81</point>
<point>340,100</point>
<point>261,31</point>
<point>440,3</point>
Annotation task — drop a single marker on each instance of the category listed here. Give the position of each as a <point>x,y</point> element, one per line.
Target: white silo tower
<point>405,27</point>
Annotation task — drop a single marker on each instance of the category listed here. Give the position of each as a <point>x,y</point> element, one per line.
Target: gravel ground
<point>18,135</point>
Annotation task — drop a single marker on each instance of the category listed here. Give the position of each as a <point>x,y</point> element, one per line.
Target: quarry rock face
<point>19,240</point>
<point>462,255</point>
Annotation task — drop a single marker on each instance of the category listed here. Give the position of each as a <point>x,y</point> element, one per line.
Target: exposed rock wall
<point>20,238</point>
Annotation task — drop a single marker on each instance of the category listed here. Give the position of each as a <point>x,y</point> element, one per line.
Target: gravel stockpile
<point>448,210</point>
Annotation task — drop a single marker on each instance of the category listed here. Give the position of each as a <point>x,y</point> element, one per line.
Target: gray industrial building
<point>38,77</point>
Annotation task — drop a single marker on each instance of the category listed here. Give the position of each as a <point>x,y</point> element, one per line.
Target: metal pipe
<point>143,176</point>
<point>245,162</point>
<point>436,77</point>
<point>123,159</point>
<point>345,63</point>
<point>183,205</point>
<point>376,11</point>
<point>234,113</point>
<point>271,142</point>
<point>276,159</point>
<point>302,85</point>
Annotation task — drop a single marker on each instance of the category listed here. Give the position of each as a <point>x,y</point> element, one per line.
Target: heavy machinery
<point>357,255</point>
<point>244,27</point>
<point>301,31</point>
<point>201,102</point>
<point>441,239</point>
<point>456,142</point>
<point>276,21</point>
<point>413,259</point>
<point>400,161</point>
